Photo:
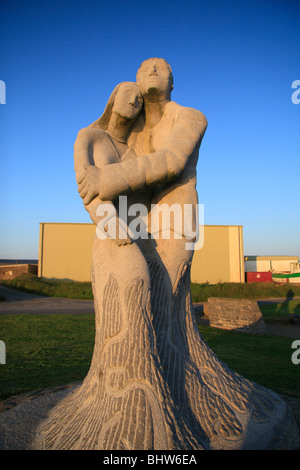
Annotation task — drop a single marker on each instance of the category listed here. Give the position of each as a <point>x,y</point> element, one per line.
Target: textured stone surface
<point>235,314</point>
<point>153,382</point>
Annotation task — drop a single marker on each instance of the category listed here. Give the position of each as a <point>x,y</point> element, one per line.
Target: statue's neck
<point>118,127</point>
<point>153,112</point>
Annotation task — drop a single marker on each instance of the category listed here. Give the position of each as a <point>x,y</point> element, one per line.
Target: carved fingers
<point>88,183</point>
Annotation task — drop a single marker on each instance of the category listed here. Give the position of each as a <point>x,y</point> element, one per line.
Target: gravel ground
<point>18,422</point>
<point>20,416</point>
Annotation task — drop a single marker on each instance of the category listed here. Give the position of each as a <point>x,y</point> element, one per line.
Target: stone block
<point>235,314</point>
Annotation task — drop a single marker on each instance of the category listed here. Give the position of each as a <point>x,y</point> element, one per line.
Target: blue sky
<point>233,60</point>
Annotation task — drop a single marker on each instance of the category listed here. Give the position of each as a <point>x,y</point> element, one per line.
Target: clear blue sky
<point>233,60</point>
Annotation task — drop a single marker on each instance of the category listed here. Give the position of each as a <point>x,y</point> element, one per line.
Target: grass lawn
<point>280,312</point>
<point>235,290</point>
<point>51,287</point>
<point>44,351</point>
<point>51,350</point>
<point>200,292</point>
<point>261,358</point>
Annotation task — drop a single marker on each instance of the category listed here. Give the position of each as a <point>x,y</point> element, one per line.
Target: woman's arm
<point>92,146</point>
<point>92,149</point>
<point>83,151</point>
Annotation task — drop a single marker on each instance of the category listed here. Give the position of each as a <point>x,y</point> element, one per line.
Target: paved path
<point>22,303</point>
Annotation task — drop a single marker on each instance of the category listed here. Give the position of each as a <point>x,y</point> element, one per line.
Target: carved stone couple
<point>139,120</point>
<point>153,382</point>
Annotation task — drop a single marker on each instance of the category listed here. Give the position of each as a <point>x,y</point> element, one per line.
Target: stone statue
<point>153,382</point>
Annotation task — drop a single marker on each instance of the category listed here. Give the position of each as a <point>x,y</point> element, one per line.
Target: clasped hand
<point>88,183</point>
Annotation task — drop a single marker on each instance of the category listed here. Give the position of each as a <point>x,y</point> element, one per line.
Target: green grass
<point>235,290</point>
<point>44,351</point>
<point>51,350</point>
<point>200,292</point>
<point>51,287</point>
<point>263,359</point>
<point>280,312</point>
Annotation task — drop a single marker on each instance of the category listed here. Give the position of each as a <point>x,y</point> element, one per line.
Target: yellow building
<point>221,259</point>
<point>65,252</point>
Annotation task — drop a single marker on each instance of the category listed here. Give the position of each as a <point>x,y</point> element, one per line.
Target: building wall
<point>269,263</point>
<point>221,258</point>
<point>66,253</point>
<point>236,254</point>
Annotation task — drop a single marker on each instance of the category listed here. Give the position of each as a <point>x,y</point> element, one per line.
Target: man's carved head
<point>155,79</point>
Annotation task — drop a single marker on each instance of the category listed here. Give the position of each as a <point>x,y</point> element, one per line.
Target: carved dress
<point>153,382</point>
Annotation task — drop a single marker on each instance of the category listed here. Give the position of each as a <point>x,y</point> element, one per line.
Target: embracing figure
<point>153,382</point>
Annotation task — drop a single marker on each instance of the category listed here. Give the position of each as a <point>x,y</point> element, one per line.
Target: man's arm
<point>162,166</point>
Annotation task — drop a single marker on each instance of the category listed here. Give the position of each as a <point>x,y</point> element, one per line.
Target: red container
<point>259,277</point>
